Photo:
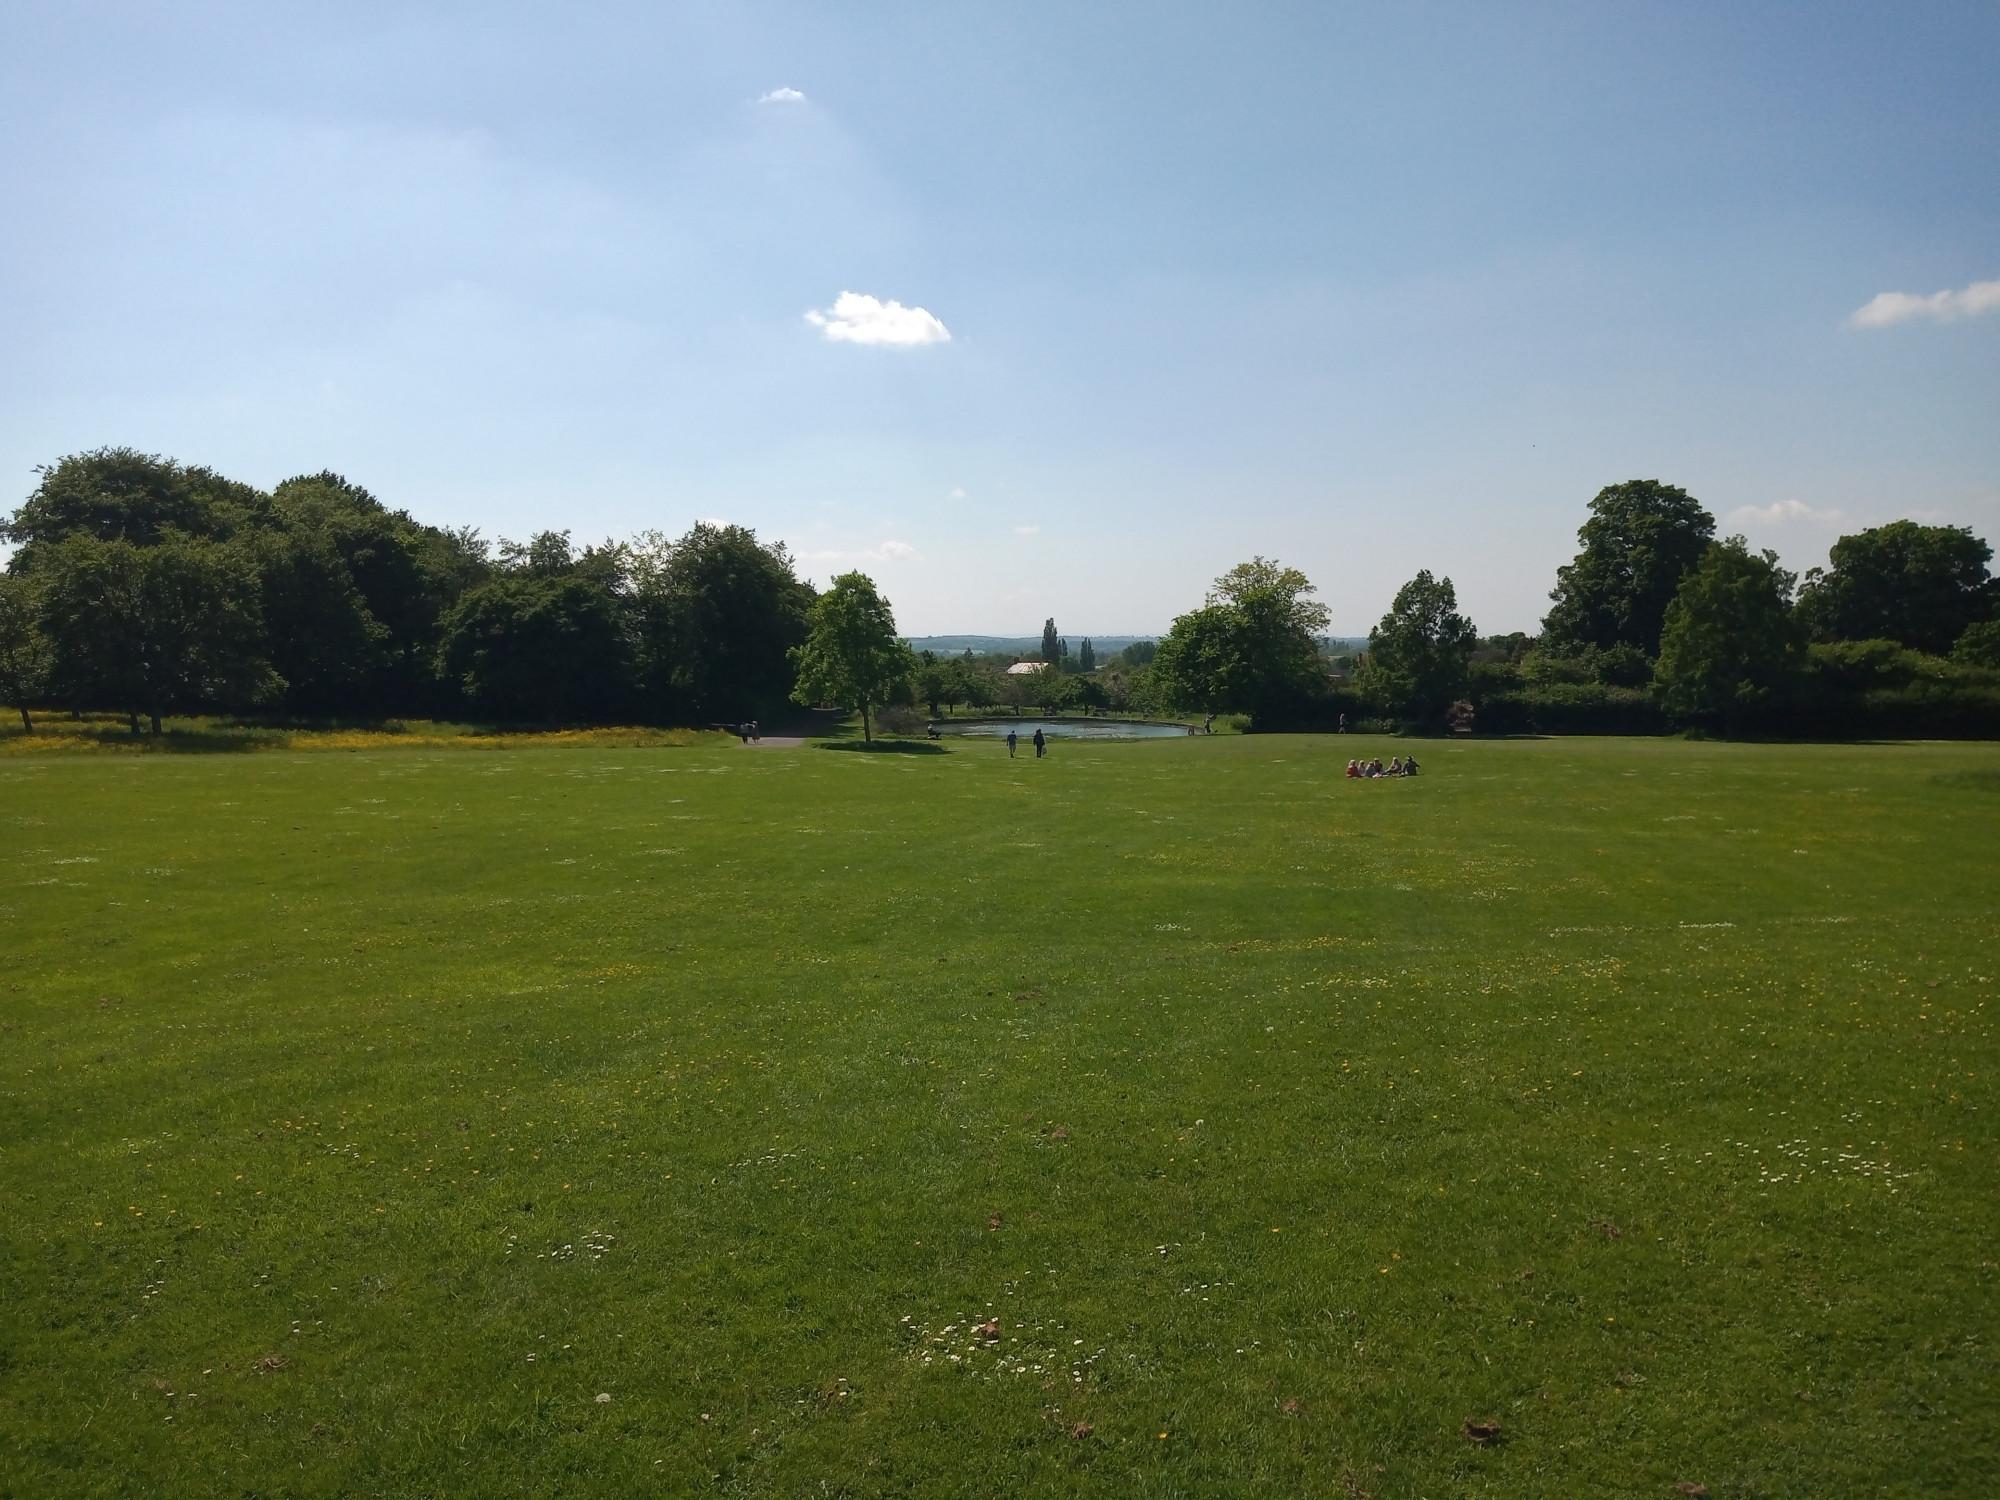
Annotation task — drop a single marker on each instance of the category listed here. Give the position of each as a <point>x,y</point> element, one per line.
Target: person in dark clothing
<point>1013,739</point>
<point>1041,744</point>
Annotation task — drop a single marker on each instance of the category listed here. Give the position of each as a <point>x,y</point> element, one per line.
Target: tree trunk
<point>132,717</point>
<point>27,724</point>
<point>866,737</point>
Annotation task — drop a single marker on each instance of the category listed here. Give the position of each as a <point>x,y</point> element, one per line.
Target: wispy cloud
<point>1785,512</point>
<point>856,318</point>
<point>782,96</point>
<point>1026,530</point>
<point>1941,307</point>
<point>890,551</point>
<point>955,494</point>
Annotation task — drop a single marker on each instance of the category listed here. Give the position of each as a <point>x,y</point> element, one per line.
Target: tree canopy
<point>122,495</point>
<point>1280,591</point>
<point>851,654</point>
<point>1250,649</point>
<point>149,630</point>
<point>1417,655</point>
<point>1641,539</point>
<point>1918,585</point>
<point>148,586</point>
<point>546,647</point>
<point>24,651</point>
<point>722,613</point>
<point>1731,639</point>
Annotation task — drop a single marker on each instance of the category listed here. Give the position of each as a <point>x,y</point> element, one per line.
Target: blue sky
<point>1368,289</point>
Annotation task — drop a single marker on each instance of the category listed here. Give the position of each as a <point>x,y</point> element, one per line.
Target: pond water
<point>1060,729</point>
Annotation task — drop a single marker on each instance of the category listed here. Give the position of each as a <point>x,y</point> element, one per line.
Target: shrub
<point>899,718</point>
<point>1979,646</point>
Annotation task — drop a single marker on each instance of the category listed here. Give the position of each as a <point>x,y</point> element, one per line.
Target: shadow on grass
<point>888,747</point>
<point>1971,781</point>
<point>231,736</point>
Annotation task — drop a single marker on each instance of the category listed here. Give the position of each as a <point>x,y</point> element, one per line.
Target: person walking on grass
<point>1013,739</point>
<point>1041,744</point>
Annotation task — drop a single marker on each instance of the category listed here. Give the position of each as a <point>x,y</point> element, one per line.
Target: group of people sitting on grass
<point>1400,766</point>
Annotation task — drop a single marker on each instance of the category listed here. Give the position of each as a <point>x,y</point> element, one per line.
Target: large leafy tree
<point>404,574</point>
<point>351,592</point>
<point>119,494</point>
<point>720,614</point>
<point>1283,593</point>
<point>156,628</point>
<point>551,647</point>
<point>24,650</point>
<point>1204,664</point>
<point>322,638</point>
<point>1641,540</point>
<point>1732,639</point>
<point>1919,585</point>
<point>1051,643</point>
<point>1249,649</point>
<point>851,654</point>
<point>1418,654</point>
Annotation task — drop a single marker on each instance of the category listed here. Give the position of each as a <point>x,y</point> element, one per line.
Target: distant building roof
<point>1022,668</point>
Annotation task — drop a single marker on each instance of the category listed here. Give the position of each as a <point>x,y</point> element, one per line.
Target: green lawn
<point>365,1118</point>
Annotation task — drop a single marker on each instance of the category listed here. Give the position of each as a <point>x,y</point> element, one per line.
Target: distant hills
<point>1018,645</point>
<point>1030,645</point>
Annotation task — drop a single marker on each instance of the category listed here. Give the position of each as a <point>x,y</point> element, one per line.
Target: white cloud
<point>1900,307</point>
<point>956,494</point>
<point>890,551</point>
<point>859,319</point>
<point>1783,513</point>
<point>1026,530</point>
<point>782,96</point>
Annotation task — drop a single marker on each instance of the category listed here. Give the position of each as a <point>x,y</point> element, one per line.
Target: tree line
<point>1655,623</point>
<point>145,587</point>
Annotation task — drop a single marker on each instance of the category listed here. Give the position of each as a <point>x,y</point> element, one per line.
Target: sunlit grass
<point>1167,1118</point>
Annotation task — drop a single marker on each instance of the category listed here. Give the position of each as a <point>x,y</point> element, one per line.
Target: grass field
<point>1168,1119</point>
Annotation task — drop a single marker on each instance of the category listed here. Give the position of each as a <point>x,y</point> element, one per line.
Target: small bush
<point>899,718</point>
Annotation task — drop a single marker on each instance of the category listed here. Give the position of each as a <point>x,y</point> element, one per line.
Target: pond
<point>1059,729</point>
